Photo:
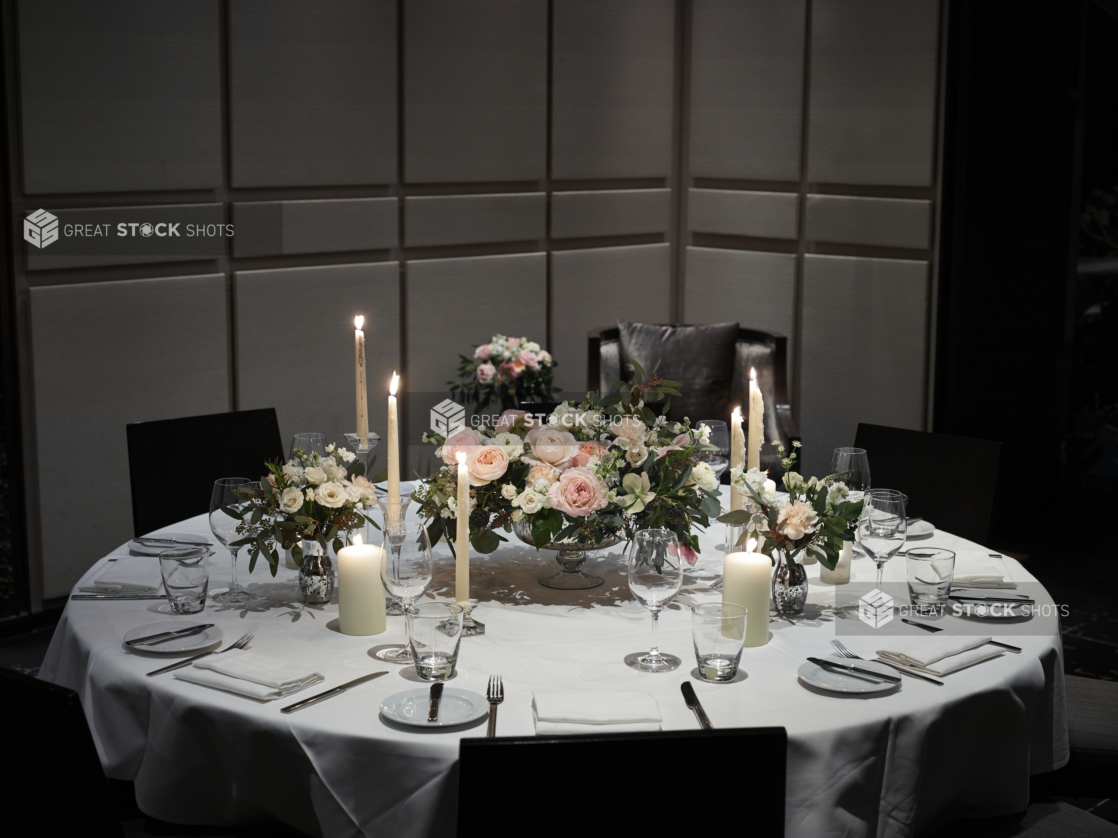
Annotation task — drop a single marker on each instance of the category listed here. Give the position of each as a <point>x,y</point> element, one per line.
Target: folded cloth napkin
<point>940,655</point>
<point>129,574</point>
<point>249,674</point>
<point>594,712</point>
<point>977,570</point>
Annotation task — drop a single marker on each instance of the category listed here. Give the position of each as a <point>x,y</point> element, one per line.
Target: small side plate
<point>836,681</point>
<point>921,529</point>
<point>176,645</point>
<point>140,549</point>
<point>457,707</point>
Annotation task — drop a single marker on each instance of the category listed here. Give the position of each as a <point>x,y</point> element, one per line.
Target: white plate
<point>921,529</point>
<point>834,681</point>
<point>156,549</point>
<point>456,707</point>
<point>177,645</point>
<point>989,610</point>
<point>406,487</point>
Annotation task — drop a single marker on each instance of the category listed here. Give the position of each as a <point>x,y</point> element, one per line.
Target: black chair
<point>209,447</point>
<point>48,749</point>
<point>949,480</point>
<point>764,351</point>
<point>620,783</point>
<point>1092,741</point>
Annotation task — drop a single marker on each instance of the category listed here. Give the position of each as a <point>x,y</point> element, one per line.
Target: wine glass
<point>853,468</point>
<point>406,571</point>
<point>655,575</point>
<point>720,437</point>
<point>883,526</point>
<point>307,443</point>
<point>230,493</point>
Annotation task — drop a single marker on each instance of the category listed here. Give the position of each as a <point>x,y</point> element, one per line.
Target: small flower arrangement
<point>816,518</point>
<point>308,498</point>
<point>514,371</point>
<point>594,469</point>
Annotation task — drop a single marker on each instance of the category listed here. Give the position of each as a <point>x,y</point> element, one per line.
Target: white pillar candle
<point>360,589</point>
<point>756,422</point>
<point>841,574</point>
<point>361,382</point>
<point>745,581</point>
<point>462,539</point>
<point>393,445</point>
<point>737,452</point>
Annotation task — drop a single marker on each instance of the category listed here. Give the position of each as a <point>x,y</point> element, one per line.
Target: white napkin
<point>249,674</point>
<point>130,574</point>
<point>940,655</point>
<point>594,712</point>
<point>976,570</point>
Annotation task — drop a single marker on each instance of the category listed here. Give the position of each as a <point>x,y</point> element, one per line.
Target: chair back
<point>949,480</point>
<point>669,782</point>
<point>49,755</point>
<point>210,447</point>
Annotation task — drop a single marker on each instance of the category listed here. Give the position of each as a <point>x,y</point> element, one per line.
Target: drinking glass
<point>186,578</point>
<point>718,632</point>
<point>719,436</point>
<point>230,493</point>
<point>655,576</point>
<point>854,466</point>
<point>931,571</point>
<point>308,444</point>
<point>882,527</point>
<point>406,572</point>
<point>434,634</point>
<point>393,513</point>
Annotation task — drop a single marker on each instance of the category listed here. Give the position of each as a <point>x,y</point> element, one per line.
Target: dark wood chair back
<point>200,450</point>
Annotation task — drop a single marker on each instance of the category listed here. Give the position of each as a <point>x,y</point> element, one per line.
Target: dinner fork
<point>846,653</point>
<point>495,694</point>
<point>240,644</point>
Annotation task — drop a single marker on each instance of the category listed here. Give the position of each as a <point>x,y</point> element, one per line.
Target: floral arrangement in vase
<point>514,371</point>
<point>593,470</point>
<point>309,500</point>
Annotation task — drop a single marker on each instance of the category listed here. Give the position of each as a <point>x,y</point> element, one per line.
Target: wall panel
<point>475,219</point>
<point>619,212</point>
<point>728,212</point>
<point>273,228</point>
<point>107,354</point>
<point>885,222</point>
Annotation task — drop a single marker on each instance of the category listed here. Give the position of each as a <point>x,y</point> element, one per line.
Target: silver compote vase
<point>571,556</point>
<point>789,585</point>
<point>316,575</point>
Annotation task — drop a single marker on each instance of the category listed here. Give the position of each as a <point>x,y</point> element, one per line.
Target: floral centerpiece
<point>595,469</point>
<point>514,371</point>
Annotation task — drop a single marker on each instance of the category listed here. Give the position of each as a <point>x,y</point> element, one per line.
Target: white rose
<point>314,475</point>
<point>333,471</point>
<point>545,357</point>
<point>513,445</point>
<point>331,495</point>
<point>508,491</point>
<point>531,346</point>
<point>530,502</point>
<point>704,475</point>
<point>291,500</point>
<point>517,515</point>
<point>629,430</point>
<point>293,473</point>
<point>636,454</point>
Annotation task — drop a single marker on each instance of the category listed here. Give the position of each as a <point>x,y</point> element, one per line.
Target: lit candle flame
<point>357,540</point>
<point>394,384</point>
<point>359,322</point>
<point>737,414</point>
<point>461,458</point>
<point>752,374</point>
<point>751,545</point>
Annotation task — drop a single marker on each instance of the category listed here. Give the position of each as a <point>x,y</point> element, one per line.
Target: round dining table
<point>894,763</point>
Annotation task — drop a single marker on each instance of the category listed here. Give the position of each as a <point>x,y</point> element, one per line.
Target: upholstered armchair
<point>713,364</point>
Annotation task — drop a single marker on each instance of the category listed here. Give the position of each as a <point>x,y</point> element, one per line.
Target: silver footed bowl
<point>571,556</point>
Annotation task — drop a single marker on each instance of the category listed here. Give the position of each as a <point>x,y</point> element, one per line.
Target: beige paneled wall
<point>452,168</point>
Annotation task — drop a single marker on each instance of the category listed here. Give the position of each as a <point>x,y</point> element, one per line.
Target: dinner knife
<point>976,598</point>
<point>314,699</point>
<point>693,702</point>
<point>147,539</point>
<point>911,673</point>
<point>851,668</point>
<point>924,626</point>
<point>118,596</point>
<point>164,636</point>
<point>433,705</point>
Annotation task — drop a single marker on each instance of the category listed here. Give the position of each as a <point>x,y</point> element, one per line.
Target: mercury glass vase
<point>789,585</point>
<point>316,576</point>
<point>571,555</point>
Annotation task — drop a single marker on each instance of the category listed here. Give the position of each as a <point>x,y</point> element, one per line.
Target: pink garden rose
<point>528,359</point>
<point>482,352</point>
<point>362,484</point>
<point>514,343</point>
<point>510,370</point>
<point>486,464</point>
<point>544,472</point>
<point>586,450</point>
<point>577,493</point>
<point>551,446</point>
<point>677,443</point>
<point>486,373</point>
<point>508,420</point>
<point>463,439</point>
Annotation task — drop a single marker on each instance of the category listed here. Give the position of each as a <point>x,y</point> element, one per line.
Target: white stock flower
<point>333,471</point>
<point>347,455</point>
<point>513,445</point>
<point>291,500</point>
<point>331,495</point>
<point>508,491</point>
<point>314,475</point>
<point>330,448</point>
<point>837,493</point>
<point>704,475</point>
<point>309,494</point>
<point>293,473</point>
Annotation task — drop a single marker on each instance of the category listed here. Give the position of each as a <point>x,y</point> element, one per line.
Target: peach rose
<point>509,418</point>
<point>486,464</point>
<point>362,484</point>
<point>510,370</point>
<point>482,352</point>
<point>462,440</point>
<point>629,430</point>
<point>586,450</point>
<point>528,359</point>
<point>577,493</point>
<point>542,471</point>
<point>486,373</point>
<point>553,447</point>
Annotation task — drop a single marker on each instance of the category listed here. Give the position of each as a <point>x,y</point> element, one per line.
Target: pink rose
<point>551,446</point>
<point>463,439</point>
<point>510,370</point>
<point>362,484</point>
<point>677,444</point>
<point>514,343</point>
<point>586,450</point>
<point>528,359</point>
<point>682,551</point>
<point>577,493</point>
<point>486,464</point>
<point>482,352</point>
<point>486,373</point>
<point>544,472</point>
<point>508,420</point>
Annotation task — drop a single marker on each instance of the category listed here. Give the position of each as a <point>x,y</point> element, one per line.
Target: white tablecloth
<point>887,765</point>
